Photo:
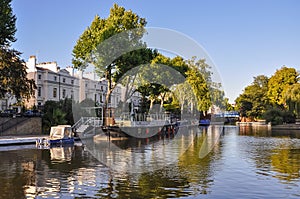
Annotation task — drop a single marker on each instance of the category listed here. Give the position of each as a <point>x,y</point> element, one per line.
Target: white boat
<point>59,135</point>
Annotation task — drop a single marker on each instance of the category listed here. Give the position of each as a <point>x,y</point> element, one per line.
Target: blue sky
<point>243,38</point>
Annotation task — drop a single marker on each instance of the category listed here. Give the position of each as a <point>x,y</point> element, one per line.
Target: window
<point>72,94</point>
<point>101,98</point>
<point>72,81</point>
<point>64,80</point>
<point>64,93</point>
<point>39,76</point>
<point>54,92</point>
<point>39,91</point>
<point>55,78</point>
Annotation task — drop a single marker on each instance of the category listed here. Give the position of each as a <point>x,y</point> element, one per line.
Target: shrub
<point>278,116</point>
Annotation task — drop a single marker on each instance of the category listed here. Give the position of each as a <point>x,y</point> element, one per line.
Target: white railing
<point>91,121</point>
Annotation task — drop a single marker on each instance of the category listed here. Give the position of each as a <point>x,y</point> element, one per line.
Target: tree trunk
<point>109,91</point>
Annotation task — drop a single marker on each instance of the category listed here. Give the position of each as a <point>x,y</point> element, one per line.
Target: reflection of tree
<point>286,162</point>
<point>198,171</point>
<point>160,183</point>
<point>281,157</point>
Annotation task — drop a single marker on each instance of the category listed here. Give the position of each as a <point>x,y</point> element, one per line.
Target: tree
<point>200,88</point>
<point>100,46</point>
<point>7,23</point>
<point>13,80</point>
<point>279,84</point>
<point>292,98</point>
<point>253,102</point>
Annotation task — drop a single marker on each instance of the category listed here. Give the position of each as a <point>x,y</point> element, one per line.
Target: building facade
<point>57,84</point>
<point>52,82</point>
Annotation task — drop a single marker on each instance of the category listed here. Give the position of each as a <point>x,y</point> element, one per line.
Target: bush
<point>278,116</point>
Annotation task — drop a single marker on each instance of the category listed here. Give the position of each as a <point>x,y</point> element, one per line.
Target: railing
<point>92,121</point>
<point>143,117</point>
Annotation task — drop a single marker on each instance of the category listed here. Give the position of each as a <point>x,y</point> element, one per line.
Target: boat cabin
<point>61,132</point>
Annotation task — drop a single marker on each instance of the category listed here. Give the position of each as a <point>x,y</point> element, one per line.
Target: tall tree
<point>103,41</point>
<point>253,102</point>
<point>279,83</point>
<point>13,80</point>
<point>292,98</point>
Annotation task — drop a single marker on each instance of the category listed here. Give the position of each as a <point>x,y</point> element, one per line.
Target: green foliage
<point>279,84</point>
<point>253,102</point>
<point>292,98</point>
<point>7,23</point>
<point>200,89</point>
<point>278,116</point>
<point>13,74</point>
<point>105,42</point>
<point>13,80</point>
<point>56,113</point>
<point>228,106</point>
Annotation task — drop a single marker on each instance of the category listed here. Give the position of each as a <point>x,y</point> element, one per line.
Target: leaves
<point>253,102</point>
<point>7,24</point>
<point>13,74</point>
<point>280,82</point>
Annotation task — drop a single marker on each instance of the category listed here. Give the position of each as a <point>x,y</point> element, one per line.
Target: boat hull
<point>61,141</point>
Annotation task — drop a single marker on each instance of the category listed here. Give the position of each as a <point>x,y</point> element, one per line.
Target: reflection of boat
<point>59,135</point>
<point>204,122</point>
<point>61,154</point>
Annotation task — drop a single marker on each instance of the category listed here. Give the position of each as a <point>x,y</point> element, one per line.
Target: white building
<point>52,82</point>
<point>56,84</point>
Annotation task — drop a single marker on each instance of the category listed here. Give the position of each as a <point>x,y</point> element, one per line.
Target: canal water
<point>212,162</point>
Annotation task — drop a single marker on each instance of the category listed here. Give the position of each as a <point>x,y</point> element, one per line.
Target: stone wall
<point>23,126</point>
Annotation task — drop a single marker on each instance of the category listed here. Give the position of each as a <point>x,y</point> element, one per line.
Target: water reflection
<point>241,163</point>
<point>138,156</point>
<point>275,152</point>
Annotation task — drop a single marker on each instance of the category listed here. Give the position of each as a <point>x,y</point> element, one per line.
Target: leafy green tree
<point>7,23</point>
<point>97,45</point>
<point>200,88</point>
<point>13,80</point>
<point>57,113</point>
<point>178,64</point>
<point>279,84</point>
<point>292,98</point>
<point>279,116</point>
<point>253,102</point>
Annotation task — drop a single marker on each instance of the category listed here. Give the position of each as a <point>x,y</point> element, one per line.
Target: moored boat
<point>59,135</point>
